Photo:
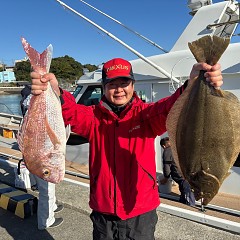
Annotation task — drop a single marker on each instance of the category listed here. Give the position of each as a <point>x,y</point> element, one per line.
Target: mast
<point>129,29</point>
<point>164,72</point>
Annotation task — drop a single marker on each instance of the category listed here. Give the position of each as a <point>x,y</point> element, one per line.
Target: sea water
<point>10,103</point>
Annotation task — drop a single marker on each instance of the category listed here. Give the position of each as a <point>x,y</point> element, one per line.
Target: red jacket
<point>122,156</point>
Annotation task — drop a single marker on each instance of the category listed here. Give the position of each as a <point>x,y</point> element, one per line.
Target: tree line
<point>65,69</point>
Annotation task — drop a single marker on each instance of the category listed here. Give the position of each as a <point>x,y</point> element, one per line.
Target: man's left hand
<point>213,74</point>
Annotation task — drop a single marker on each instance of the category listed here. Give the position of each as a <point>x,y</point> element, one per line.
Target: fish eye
<point>46,172</point>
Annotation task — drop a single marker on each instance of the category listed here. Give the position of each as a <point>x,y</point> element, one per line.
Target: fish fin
<point>230,96</point>
<point>217,91</point>
<point>39,62</point>
<point>228,174</point>
<point>209,49</point>
<point>68,131</point>
<point>53,137</point>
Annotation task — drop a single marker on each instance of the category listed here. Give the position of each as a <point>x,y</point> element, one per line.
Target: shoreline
<point>10,90</point>
<point>9,93</point>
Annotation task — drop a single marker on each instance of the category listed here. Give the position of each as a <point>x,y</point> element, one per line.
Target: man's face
<point>119,91</point>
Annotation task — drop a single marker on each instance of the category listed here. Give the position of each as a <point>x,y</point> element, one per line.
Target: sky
<point>44,22</point>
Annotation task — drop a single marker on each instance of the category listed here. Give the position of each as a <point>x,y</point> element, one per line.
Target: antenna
<point>194,5</point>
<point>129,29</point>
<point>121,42</point>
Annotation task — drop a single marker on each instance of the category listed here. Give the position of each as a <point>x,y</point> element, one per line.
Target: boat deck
<point>224,206</point>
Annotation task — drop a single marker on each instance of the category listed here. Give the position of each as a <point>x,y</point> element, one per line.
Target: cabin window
<point>141,94</point>
<point>77,91</point>
<point>91,96</point>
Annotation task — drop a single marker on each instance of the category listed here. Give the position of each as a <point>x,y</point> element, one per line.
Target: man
<point>170,169</point>
<point>47,206</point>
<point>121,131</point>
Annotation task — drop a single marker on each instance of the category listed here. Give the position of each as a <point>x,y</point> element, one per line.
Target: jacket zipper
<point>115,181</point>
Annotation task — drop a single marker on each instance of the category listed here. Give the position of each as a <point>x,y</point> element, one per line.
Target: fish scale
<point>204,126</point>
<point>42,136</point>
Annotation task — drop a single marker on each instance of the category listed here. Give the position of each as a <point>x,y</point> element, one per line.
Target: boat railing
<point>10,111</point>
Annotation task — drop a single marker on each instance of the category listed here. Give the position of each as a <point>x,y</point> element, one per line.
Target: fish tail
<point>39,62</point>
<point>209,49</point>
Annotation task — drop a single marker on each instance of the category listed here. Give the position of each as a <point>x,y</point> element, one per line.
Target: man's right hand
<point>40,83</point>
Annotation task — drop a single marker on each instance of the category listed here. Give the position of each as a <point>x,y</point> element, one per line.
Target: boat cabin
<point>158,76</point>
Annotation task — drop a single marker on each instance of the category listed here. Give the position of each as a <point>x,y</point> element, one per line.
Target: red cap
<point>116,68</point>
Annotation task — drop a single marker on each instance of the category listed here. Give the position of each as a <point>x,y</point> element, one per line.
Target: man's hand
<point>163,181</point>
<point>213,74</point>
<point>40,83</point>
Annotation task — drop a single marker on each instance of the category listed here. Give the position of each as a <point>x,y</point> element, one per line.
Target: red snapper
<point>42,136</point>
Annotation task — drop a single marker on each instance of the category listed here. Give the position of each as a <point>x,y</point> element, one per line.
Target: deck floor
<point>221,199</point>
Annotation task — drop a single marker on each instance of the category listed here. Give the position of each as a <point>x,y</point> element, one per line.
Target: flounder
<point>42,136</point>
<point>204,126</point>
